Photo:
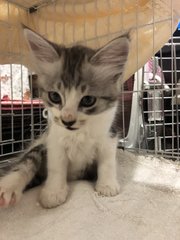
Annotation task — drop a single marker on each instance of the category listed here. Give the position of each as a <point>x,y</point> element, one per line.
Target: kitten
<point>79,87</point>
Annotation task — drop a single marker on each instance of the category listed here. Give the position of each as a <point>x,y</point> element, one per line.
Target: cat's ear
<point>110,60</point>
<point>41,48</point>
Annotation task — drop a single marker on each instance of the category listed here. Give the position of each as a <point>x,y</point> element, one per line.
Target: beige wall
<point>93,23</point>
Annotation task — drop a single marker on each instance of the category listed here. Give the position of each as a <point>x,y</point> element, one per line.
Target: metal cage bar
<point>154,121</point>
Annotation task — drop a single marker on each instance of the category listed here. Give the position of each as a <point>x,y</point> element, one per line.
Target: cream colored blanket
<point>148,207</point>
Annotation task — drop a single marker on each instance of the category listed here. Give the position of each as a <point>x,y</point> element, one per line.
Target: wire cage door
<point>154,124</point>
<point>93,23</point>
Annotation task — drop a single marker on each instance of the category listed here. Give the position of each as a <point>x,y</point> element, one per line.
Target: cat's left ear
<point>110,60</point>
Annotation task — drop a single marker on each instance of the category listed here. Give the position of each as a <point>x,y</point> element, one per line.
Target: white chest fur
<point>81,150</point>
<point>80,147</point>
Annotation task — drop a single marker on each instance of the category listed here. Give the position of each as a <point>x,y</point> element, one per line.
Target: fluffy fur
<point>79,86</point>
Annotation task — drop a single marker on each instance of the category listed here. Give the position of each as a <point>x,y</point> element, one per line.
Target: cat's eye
<point>54,97</point>
<point>88,101</point>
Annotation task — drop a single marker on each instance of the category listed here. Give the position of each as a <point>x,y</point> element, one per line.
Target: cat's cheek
<point>82,119</point>
<point>54,113</point>
<point>82,122</point>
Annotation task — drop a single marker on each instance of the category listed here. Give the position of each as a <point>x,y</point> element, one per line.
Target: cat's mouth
<point>71,128</point>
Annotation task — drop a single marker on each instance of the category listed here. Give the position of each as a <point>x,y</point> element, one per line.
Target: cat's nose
<point>68,124</point>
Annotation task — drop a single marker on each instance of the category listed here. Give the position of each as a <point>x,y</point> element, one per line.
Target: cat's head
<point>77,82</point>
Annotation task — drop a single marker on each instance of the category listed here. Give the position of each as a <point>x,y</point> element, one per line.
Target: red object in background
<point>5,98</point>
<point>21,104</point>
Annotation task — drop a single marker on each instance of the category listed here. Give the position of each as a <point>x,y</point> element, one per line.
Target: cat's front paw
<point>108,189</point>
<point>10,191</point>
<point>51,197</point>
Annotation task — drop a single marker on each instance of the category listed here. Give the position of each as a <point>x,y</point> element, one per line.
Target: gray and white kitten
<point>79,87</point>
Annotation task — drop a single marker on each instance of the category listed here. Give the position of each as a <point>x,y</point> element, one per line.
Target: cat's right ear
<point>41,49</point>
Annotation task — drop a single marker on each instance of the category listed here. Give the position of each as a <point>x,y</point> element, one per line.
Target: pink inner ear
<point>34,46</point>
<point>41,48</point>
<point>112,54</point>
<point>42,53</point>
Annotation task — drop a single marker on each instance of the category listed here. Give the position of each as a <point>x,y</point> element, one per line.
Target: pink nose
<point>68,116</point>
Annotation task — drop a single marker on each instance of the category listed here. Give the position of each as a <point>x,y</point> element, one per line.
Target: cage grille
<point>153,107</point>
<point>158,104</point>
<point>26,4</point>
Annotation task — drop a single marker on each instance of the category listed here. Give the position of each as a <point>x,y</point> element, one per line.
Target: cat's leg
<point>15,178</point>
<point>107,183</point>
<point>55,189</point>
